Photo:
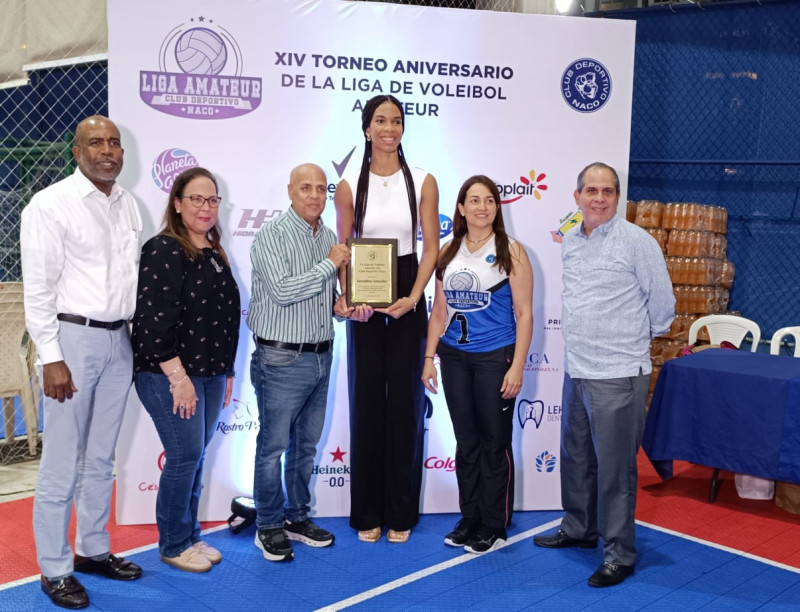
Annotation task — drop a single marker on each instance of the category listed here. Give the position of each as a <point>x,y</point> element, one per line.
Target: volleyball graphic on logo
<point>201,51</point>
<point>460,281</point>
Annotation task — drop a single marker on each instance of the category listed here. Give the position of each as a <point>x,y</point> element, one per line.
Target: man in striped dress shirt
<point>295,269</point>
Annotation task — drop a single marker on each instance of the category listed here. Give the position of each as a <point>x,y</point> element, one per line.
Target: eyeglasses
<point>198,200</point>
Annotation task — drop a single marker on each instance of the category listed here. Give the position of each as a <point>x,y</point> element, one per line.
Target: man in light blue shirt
<point>617,297</point>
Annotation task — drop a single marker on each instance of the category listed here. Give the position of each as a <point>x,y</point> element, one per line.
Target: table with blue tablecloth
<point>734,410</point>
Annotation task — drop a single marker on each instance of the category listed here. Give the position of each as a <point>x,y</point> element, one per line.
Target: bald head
<point>308,191</point>
<point>304,170</point>
<point>98,151</point>
<point>90,123</point>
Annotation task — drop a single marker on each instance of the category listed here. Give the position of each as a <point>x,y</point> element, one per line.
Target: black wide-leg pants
<point>387,412</point>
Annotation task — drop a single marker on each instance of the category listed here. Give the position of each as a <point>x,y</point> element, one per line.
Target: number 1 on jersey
<point>462,321</point>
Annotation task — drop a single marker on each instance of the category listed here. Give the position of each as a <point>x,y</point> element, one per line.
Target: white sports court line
<point>429,571</point>
<point>424,573</point>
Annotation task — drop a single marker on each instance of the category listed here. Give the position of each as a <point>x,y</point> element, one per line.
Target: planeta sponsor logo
<point>169,164</point>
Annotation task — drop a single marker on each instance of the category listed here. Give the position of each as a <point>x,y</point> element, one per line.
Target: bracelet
<point>175,371</point>
<point>408,297</point>
<point>173,385</point>
<point>427,357</point>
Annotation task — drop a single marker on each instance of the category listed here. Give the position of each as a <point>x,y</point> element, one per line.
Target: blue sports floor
<point>673,573</point>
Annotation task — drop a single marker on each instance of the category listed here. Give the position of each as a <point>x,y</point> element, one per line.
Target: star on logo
<point>338,454</point>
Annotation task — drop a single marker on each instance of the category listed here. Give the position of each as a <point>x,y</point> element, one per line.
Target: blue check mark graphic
<point>341,166</point>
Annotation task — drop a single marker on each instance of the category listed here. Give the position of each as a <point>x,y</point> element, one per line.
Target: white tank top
<point>388,213</point>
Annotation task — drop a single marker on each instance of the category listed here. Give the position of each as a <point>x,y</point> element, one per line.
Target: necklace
<point>384,179</point>
<point>478,241</point>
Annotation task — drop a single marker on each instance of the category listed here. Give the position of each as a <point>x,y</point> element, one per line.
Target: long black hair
<point>362,189</point>
<point>501,244</point>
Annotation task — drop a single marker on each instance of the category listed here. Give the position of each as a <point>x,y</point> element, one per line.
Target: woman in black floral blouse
<point>185,333</point>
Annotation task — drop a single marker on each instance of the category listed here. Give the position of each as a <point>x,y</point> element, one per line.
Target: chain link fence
<point>53,78</point>
<point>715,120</point>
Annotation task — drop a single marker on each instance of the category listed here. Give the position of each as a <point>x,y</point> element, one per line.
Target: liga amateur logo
<point>528,185</point>
<point>586,85</point>
<point>199,74</point>
<point>463,292</point>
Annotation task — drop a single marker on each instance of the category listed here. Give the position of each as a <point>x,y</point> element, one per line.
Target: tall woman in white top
<point>386,346</point>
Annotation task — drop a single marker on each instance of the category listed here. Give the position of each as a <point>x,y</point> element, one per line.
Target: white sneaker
<point>208,551</point>
<point>189,561</point>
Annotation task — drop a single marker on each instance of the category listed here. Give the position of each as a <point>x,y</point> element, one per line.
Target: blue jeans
<point>292,393</point>
<point>185,442</point>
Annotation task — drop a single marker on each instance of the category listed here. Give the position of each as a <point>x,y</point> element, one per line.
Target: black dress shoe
<point>562,540</point>
<point>112,567</point>
<point>67,592</point>
<point>610,574</point>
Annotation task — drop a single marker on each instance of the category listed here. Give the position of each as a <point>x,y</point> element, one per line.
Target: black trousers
<point>483,426</point>
<point>387,412</point>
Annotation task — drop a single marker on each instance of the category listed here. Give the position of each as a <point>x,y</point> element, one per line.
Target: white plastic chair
<point>17,374</point>
<point>721,328</point>
<point>729,328</point>
<point>779,335</point>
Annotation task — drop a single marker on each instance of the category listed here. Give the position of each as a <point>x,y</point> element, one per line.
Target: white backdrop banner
<point>250,89</point>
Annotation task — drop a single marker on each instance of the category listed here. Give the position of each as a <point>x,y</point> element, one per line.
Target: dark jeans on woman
<point>387,410</point>
<point>483,424</point>
<point>185,442</point>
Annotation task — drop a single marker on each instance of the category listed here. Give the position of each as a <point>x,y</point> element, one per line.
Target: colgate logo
<point>435,463</point>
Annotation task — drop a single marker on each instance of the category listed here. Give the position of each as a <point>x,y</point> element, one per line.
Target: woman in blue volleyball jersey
<point>481,322</point>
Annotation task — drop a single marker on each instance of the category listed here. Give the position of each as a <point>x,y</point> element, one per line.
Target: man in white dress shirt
<point>80,252</point>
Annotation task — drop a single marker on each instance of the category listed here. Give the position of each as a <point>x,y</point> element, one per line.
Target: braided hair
<point>362,188</point>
